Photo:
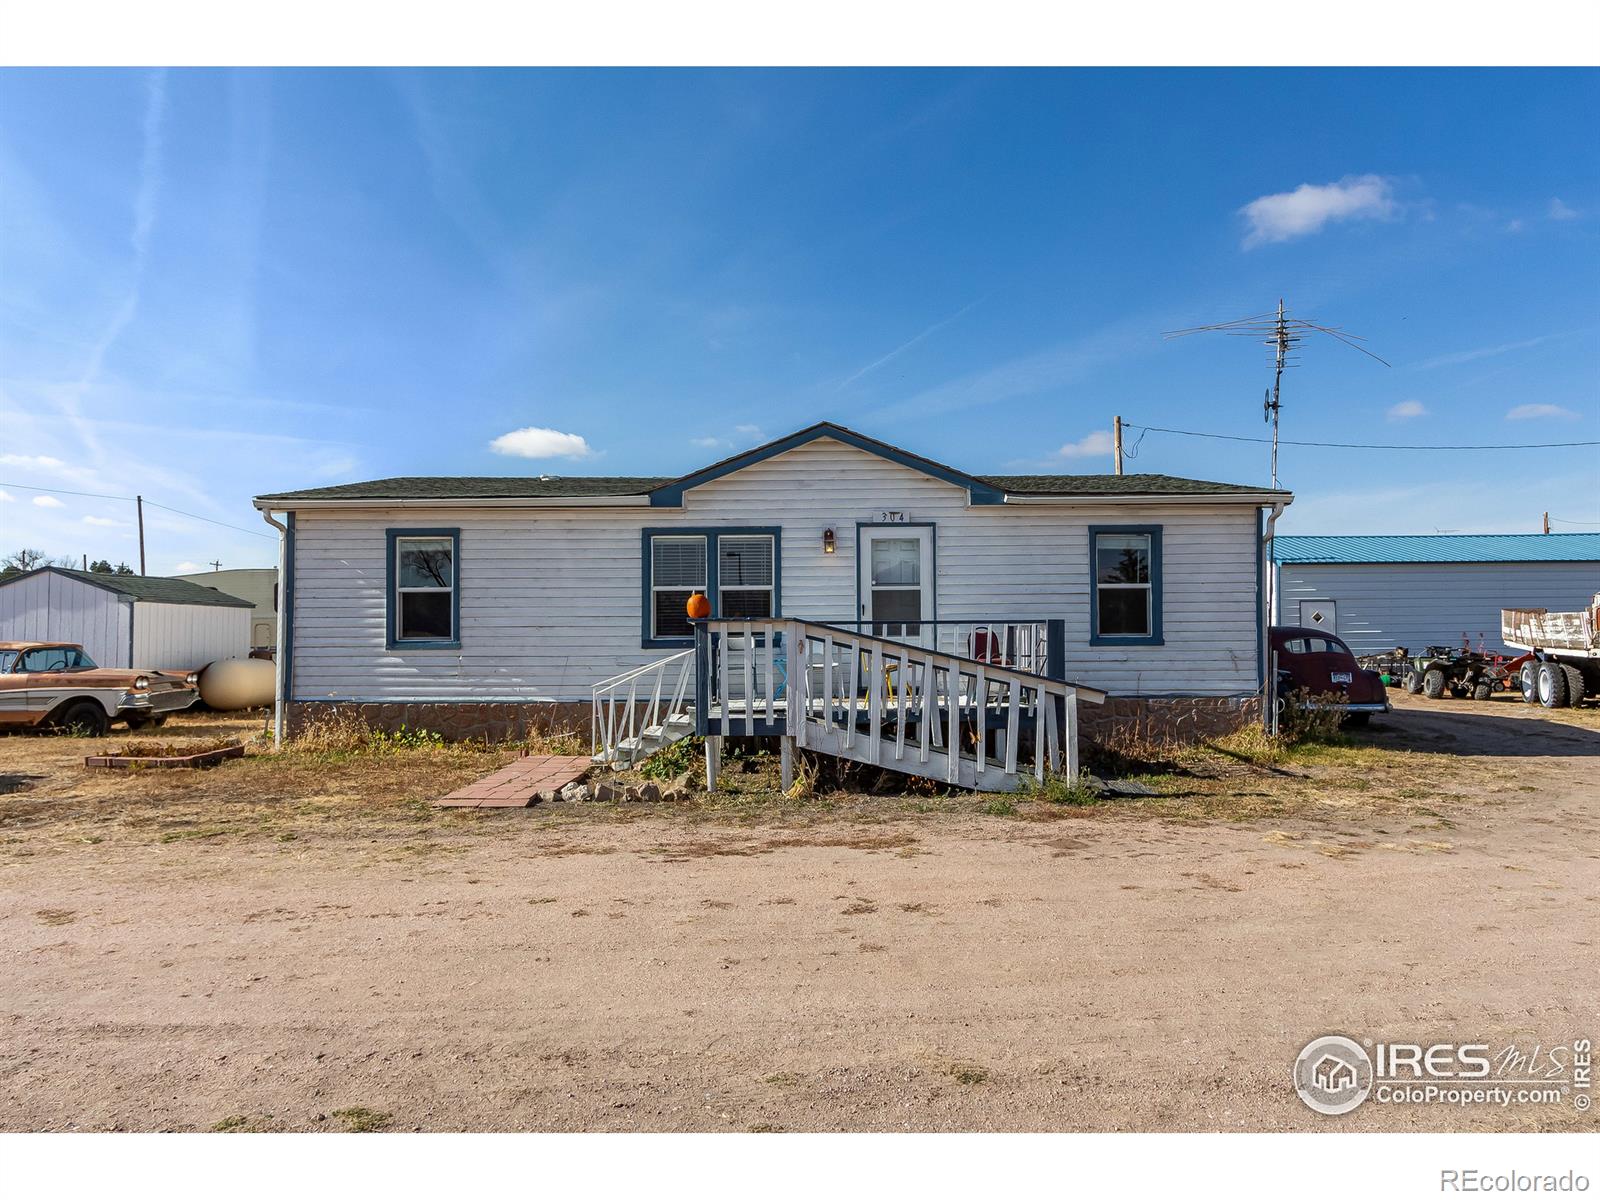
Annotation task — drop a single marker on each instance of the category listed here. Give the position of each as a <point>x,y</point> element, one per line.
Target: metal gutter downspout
<point>1266,617</point>
<point>281,675</point>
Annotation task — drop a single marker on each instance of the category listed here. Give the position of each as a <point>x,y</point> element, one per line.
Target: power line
<point>1229,437</point>
<point>133,499</point>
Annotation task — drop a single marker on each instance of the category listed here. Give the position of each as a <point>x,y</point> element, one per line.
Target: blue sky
<point>215,284</point>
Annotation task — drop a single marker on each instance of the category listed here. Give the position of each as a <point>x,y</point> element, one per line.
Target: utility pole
<point>216,564</point>
<point>1281,341</point>
<point>1547,522</point>
<point>1116,441</point>
<point>139,502</point>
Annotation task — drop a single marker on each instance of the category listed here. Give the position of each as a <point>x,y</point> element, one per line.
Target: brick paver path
<point>516,786</point>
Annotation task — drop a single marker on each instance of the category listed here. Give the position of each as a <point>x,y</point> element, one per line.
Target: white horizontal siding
<point>1379,606</point>
<point>57,608</point>
<point>550,598</point>
<point>185,637</point>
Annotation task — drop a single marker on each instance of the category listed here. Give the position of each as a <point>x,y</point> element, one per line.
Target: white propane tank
<point>234,683</point>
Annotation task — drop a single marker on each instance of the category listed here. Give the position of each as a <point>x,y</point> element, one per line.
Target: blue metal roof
<point>1439,548</point>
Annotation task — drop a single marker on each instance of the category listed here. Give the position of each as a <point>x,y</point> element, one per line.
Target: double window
<point>424,609</point>
<point>1125,595</point>
<point>737,569</point>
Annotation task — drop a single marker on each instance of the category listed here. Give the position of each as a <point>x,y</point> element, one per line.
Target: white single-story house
<point>259,585</point>
<point>125,620</point>
<point>1378,592</point>
<point>484,605</point>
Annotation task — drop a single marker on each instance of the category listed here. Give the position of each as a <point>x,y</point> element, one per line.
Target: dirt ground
<point>300,941</point>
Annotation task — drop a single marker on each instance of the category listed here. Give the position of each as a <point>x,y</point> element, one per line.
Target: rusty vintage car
<point>56,685</point>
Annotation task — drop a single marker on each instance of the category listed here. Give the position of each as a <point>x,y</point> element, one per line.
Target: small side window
<point>423,600</point>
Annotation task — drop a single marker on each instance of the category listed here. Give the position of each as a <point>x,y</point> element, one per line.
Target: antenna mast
<point>1284,334</point>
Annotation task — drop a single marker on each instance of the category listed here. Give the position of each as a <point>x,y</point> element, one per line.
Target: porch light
<point>829,542</point>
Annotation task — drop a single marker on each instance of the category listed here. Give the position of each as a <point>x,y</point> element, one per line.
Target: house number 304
<point>893,517</point>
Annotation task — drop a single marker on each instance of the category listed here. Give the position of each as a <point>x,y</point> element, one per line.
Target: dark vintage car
<point>1317,670</point>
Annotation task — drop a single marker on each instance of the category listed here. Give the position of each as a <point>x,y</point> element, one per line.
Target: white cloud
<point>47,502</point>
<point>103,522</point>
<point>6,497</point>
<point>534,442</point>
<point>1514,225</point>
<point>1285,215</point>
<point>1098,442</point>
<point>188,568</point>
<point>1532,412</point>
<point>1407,409</point>
<point>710,443</point>
<point>1560,211</point>
<point>42,462</point>
<point>751,431</point>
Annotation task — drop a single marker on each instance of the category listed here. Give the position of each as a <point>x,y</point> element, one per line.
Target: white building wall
<point>259,585</point>
<point>184,637</point>
<point>550,598</point>
<point>1383,605</point>
<point>47,607</point>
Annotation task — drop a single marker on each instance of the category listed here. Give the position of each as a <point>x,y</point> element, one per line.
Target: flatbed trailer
<point>1564,653</point>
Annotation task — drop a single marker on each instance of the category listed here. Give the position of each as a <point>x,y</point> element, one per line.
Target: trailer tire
<point>1433,683</point>
<point>1528,681</point>
<point>1483,691</point>
<point>1575,685</point>
<point>1412,683</point>
<point>1552,685</point>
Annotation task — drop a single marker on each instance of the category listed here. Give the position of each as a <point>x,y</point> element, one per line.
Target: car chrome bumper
<point>1370,706</point>
<point>175,700</point>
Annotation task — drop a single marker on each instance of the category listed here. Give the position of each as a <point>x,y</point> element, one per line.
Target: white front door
<point>896,578</point>
<point>1320,614</point>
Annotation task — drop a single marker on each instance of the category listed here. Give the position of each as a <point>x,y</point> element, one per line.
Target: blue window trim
<point>1154,637</point>
<point>391,607</point>
<point>933,555</point>
<point>711,533</point>
<point>285,597</point>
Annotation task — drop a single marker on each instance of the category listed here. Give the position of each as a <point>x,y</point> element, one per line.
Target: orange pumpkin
<point>698,606</point>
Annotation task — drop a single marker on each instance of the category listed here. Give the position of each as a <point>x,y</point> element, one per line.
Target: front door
<point>1320,614</point>
<point>896,582</point>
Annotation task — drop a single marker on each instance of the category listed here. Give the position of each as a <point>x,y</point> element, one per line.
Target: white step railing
<point>974,722</point>
<point>621,731</point>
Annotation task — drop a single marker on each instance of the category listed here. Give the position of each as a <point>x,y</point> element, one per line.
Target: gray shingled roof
<point>542,487</point>
<point>480,487</point>
<point>150,587</point>
<point>464,487</point>
<point>1113,485</point>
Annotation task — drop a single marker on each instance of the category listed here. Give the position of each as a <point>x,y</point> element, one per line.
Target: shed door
<point>1320,614</point>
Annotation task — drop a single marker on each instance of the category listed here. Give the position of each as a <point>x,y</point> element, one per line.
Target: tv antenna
<point>1283,334</point>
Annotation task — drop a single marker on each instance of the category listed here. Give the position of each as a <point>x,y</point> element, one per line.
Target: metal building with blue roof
<point>1380,591</point>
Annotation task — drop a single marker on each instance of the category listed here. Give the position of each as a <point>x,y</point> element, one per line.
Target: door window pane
<point>896,561</point>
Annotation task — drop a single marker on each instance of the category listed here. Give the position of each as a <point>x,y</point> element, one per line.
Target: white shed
<point>259,585</point>
<point>126,620</point>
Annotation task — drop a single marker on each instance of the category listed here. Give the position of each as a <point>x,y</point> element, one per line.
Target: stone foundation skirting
<point>1120,721</point>
<point>497,722</point>
<point>1165,720</point>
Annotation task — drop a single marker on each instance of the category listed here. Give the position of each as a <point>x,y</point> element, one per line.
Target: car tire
<point>1528,681</point>
<point>1412,683</point>
<point>1433,683</point>
<point>1575,685</point>
<point>1482,692</point>
<point>1552,685</point>
<point>83,716</point>
<point>145,721</point>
